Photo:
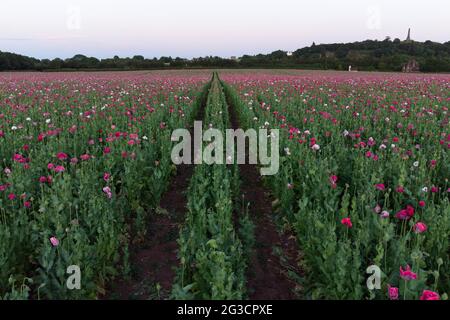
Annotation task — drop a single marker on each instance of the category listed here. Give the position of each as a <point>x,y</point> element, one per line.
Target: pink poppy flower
<point>430,295</point>
<point>19,158</point>
<point>59,169</point>
<point>384,214</point>
<point>380,186</point>
<point>107,191</point>
<point>407,274</point>
<point>334,179</point>
<point>134,136</point>
<point>421,203</point>
<point>405,214</point>
<point>393,292</point>
<point>377,209</point>
<point>11,196</point>
<point>62,156</point>
<point>347,222</point>
<point>420,227</point>
<point>54,241</point>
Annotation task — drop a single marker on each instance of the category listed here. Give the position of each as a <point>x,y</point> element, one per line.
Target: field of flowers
<point>74,151</point>
<point>364,177</point>
<point>363,181</point>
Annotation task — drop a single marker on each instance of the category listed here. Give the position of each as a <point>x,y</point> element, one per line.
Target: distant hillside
<point>384,55</point>
<point>367,55</point>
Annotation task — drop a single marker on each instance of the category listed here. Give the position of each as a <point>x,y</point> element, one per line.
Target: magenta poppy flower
<point>347,222</point>
<point>393,292</point>
<point>334,179</point>
<point>380,186</point>
<point>405,214</point>
<point>62,156</point>
<point>407,274</point>
<point>430,295</point>
<point>420,227</point>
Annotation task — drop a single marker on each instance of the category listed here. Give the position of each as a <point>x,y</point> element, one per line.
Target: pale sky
<point>191,28</point>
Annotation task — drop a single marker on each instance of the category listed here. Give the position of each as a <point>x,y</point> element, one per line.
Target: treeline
<point>369,55</point>
<point>11,61</point>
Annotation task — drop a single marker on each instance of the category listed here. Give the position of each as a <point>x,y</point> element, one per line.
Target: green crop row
<point>212,262</point>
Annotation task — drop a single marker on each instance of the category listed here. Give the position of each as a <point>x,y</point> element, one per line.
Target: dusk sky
<point>187,28</point>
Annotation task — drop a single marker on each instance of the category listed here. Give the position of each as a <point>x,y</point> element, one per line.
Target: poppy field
<point>362,189</point>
